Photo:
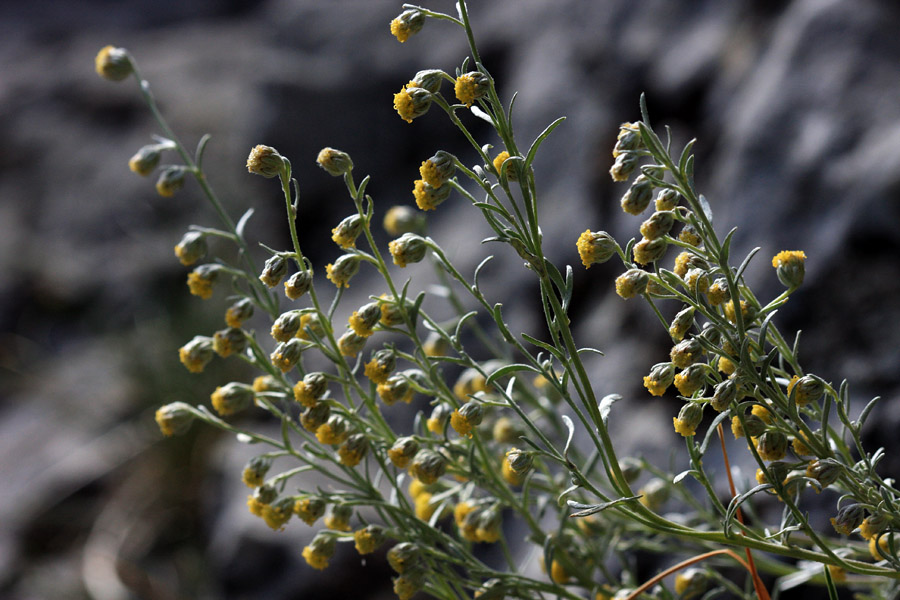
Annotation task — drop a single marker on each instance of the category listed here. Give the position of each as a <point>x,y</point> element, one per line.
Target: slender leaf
<point>865,411</point>
<point>606,405</point>
<point>685,154</point>
<point>571,427</point>
<point>201,149</point>
<point>740,272</point>
<point>508,369</point>
<point>586,510</point>
<point>242,223</point>
<point>738,500</point>
<point>540,140</point>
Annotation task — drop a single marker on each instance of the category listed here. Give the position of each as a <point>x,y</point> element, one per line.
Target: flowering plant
<point>495,457</point>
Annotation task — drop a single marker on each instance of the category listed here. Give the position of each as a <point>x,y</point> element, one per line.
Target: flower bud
<point>654,494</point>
<point>717,292</point>
<point>309,509</point>
<point>197,353</point>
<point>688,418</point>
<point>435,345</point>
<point>632,283</point>
<point>428,466</point>
<point>286,354</point>
<point>638,196</point>
<point>343,269</point>
<point>368,539</point>
<point>686,352</point>
<point>403,556</point>
<point>471,86</point>
<point>232,398</point>
<point>824,470</point>
<point>191,248</point>
<point>771,445</point>
<point>789,267</point>
<point>806,389</point>
<point>395,389</point>
<point>624,167</point>
<point>440,415</point>
<point>498,161</point>
<point>265,161</point>
<point>691,379</point>
<point>266,383</point>
<point>429,79</point>
<point>353,449</point>
<point>696,281</point>
<point>363,320</point>
<point>504,431</point>
<point>381,366</point>
<point>658,225</point>
<point>690,236</point>
<point>260,498</point>
<point>310,327</point>
<point>333,431</point>
<point>338,518</point>
<point>408,248</point>
<point>682,323</point>
<point>747,312</point>
<point>310,389</point>
<point>520,461</point>
<point>345,234</point>
<point>286,326</point>
<point>274,270</point>
<point>403,451</point>
<point>648,251</point>
<point>628,140</point>
<point>201,279</point>
<point>429,198</point>
<point>466,418</point>
<point>315,416</point>
<point>873,525</point>
<point>667,199</point>
<point>724,394</point>
<point>411,102</point>
<point>403,219</point>
<point>297,284</point>
<point>278,513</point>
<point>229,341</point>
<point>488,526</point>
<point>146,159</point>
<point>174,418</point>
<point>334,161</point>
<point>848,518</point>
<point>437,170</point>
<point>170,181</point>
<point>391,313</point>
<point>320,551</point>
<point>595,247</point>
<point>351,343</point>
<point>239,312</point>
<point>409,23</point>
<point>255,471</point>
<point>691,583</point>
<point>660,378</point>
<point>113,63</point>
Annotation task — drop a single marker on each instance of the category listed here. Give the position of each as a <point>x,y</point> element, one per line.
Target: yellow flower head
<point>411,102</point>
<point>368,539</point>
<point>879,542</point>
<point>197,353</point>
<point>428,197</point>
<point>239,312</point>
<point>174,419</point>
<point>688,419</point>
<point>873,525</point>
<point>338,518</point>
<point>200,280</point>
<point>319,551</point>
<point>408,23</point>
<point>558,572</point>
<point>266,161</point>
<point>381,366</point>
<point>395,389</point>
<point>346,232</point>
<point>265,383</point>
<point>333,431</point>
<point>308,390</point>
<point>352,451</point>
<point>146,159</point>
<point>363,320</point>
<point>631,283</point>
<point>113,63</point>
<point>428,466</point>
<point>789,267</point>
<point>471,86</point>
<point>424,507</point>
<point>334,162</point>
<point>595,247</point>
<point>344,268</point>
<point>309,509</point>
<point>466,418</point>
<point>498,161</point>
<point>437,170</point>
<point>231,398</point>
<point>255,471</point>
<point>277,514</point>
<point>691,379</point>
<point>403,451</point>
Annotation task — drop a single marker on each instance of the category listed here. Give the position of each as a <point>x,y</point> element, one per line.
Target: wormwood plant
<point>494,462</point>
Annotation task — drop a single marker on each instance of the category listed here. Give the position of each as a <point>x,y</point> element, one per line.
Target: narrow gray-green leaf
<point>606,405</point>
<point>540,140</point>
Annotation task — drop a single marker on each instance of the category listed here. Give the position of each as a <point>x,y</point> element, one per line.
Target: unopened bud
<point>848,518</point>
<point>686,353</point>
<point>412,102</point>
<point>403,219</point>
<point>660,378</point>
<point>471,86</point>
<point>437,170</point>
<point>682,323</point>
<point>229,341</point>
<point>191,248</point>
<point>232,398</point>
<point>408,248</point>
<point>467,417</point>
<point>170,181</point>
<point>658,225</point>
<point>197,353</point>
<point>724,394</point>
<point>353,450</point>
<point>688,418</point>
<point>772,445</point>
<point>624,166</point>
<point>239,312</point>
<point>266,161</point>
<point>408,23</point>
<point>343,269</point>
<point>286,354</point>
<point>345,234</point>
<point>428,466</point>
<point>824,470</point>
<point>789,267</point>
<point>666,199</point>
<point>648,251</point>
<point>428,197</point>
<point>632,283</point>
<point>334,161</point>
<point>638,196</point>
<point>113,63</point>
<point>595,247</point>
<point>297,284</point>
<point>174,418</point>
<point>351,343</point>
<point>403,451</point>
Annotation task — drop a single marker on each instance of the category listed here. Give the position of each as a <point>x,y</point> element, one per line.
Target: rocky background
<point>795,105</point>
